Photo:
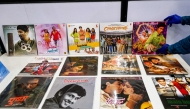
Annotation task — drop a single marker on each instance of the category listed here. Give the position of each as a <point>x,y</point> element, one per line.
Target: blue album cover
<point>3,71</point>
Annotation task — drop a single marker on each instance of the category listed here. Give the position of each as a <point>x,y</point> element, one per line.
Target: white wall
<point>82,12</point>
<point>157,11</point>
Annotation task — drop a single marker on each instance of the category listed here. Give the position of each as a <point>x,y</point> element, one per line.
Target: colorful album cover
<point>162,65</point>
<point>174,92</point>
<point>124,93</point>
<point>80,66</point>
<point>42,66</point>
<point>83,38</point>
<point>123,64</point>
<point>116,37</point>
<point>20,40</point>
<point>71,93</point>
<point>148,37</point>
<point>51,39</point>
<point>24,92</point>
<point>2,47</point>
<point>3,71</point>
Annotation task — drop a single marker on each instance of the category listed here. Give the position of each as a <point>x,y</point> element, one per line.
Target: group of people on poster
<point>114,44</point>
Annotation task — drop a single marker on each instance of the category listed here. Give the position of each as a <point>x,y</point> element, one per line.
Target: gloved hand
<point>163,49</point>
<point>173,19</point>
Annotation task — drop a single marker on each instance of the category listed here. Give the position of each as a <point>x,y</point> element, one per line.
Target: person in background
<point>182,46</point>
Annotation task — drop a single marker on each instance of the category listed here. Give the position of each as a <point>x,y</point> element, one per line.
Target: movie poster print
<point>162,65</point>
<point>123,64</point>
<point>51,39</point>
<point>71,93</point>
<point>124,93</point>
<point>80,66</point>
<point>173,91</point>
<point>148,37</point>
<point>116,37</point>
<point>24,92</point>
<point>42,66</point>
<point>20,40</point>
<point>83,38</point>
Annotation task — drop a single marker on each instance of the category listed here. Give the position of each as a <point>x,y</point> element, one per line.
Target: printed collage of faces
<point>37,86</point>
<point>85,38</point>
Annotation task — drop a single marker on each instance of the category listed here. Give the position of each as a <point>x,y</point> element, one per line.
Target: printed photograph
<point>162,65</point>
<point>83,38</point>
<point>148,37</point>
<point>20,40</point>
<point>116,38</point>
<point>123,64</point>
<point>51,39</point>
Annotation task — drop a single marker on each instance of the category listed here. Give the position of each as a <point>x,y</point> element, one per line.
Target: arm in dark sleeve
<point>185,20</point>
<point>180,47</point>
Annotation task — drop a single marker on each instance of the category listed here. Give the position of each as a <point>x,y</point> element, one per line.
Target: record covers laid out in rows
<point>85,38</point>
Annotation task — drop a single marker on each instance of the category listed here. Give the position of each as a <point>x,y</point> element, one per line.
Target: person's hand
<point>162,43</point>
<point>173,19</point>
<point>163,49</point>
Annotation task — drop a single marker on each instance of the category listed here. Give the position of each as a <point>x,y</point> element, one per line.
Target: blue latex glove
<point>163,49</point>
<point>173,19</point>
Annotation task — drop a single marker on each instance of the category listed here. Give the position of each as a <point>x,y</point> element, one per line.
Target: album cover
<point>20,40</point>
<point>2,47</point>
<point>148,37</point>
<point>116,37</point>
<point>162,65</point>
<point>123,64</point>
<point>42,66</point>
<point>83,38</point>
<point>51,39</point>
<point>3,71</point>
<point>173,91</point>
<point>24,92</point>
<point>80,66</point>
<point>71,93</point>
<point>124,93</point>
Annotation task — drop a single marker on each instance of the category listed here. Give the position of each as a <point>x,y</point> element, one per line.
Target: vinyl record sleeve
<point>123,64</point>
<point>162,65</point>
<point>80,66</point>
<point>51,39</point>
<point>116,37</point>
<point>148,37</point>
<point>24,92</point>
<point>71,93</point>
<point>83,38</point>
<point>124,93</point>
<point>41,66</point>
<point>173,91</point>
<point>20,40</point>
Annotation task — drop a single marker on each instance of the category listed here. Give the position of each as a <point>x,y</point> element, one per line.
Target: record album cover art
<point>51,39</point>
<point>148,37</point>
<point>173,91</point>
<point>116,37</point>
<point>83,38</point>
<point>123,64</point>
<point>3,71</point>
<point>162,65</point>
<point>71,93</point>
<point>42,66</point>
<point>124,93</point>
<point>24,92</point>
<point>20,40</point>
<point>80,66</point>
